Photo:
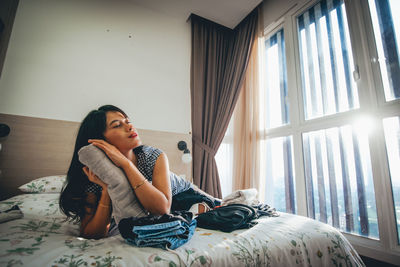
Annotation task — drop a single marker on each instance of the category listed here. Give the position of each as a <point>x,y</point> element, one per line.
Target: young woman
<point>85,198</point>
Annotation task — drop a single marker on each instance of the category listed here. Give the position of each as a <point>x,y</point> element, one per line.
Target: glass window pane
<point>339,183</point>
<point>224,160</point>
<point>392,137</point>
<point>387,37</point>
<point>279,174</point>
<point>326,60</point>
<point>277,110</point>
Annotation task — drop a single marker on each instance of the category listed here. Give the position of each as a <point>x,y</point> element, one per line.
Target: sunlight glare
<point>364,124</point>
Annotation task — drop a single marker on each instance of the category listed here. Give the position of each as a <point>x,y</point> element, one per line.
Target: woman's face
<point>120,132</point>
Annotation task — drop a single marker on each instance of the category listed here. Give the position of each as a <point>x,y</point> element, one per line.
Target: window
<point>277,170</point>
<point>277,152</point>
<point>330,136</point>
<point>385,53</point>
<point>392,137</point>
<point>339,184</point>
<point>387,36</point>
<point>337,171</point>
<point>326,60</point>
<point>224,160</point>
<point>277,110</point>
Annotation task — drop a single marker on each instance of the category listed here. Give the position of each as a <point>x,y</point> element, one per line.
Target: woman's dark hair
<point>73,195</point>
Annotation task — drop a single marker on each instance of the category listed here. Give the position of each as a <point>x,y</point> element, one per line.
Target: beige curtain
<point>246,125</point>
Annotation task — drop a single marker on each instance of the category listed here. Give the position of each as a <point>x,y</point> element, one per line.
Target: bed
<point>43,238</point>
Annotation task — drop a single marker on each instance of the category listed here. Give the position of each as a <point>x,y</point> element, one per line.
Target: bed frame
<point>38,147</point>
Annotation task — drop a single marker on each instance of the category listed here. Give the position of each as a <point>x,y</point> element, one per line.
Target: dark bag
<point>228,218</point>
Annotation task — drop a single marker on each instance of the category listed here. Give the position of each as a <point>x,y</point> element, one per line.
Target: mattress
<point>43,238</point>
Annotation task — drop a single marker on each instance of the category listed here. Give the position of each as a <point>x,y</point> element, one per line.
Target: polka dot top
<point>146,160</point>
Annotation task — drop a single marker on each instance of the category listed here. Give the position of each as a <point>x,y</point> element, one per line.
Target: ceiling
<point>226,12</point>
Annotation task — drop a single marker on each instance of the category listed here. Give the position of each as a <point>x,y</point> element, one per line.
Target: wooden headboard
<point>39,147</point>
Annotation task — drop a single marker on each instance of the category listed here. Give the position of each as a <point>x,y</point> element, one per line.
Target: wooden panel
<point>39,147</point>
<point>168,142</point>
<point>35,147</point>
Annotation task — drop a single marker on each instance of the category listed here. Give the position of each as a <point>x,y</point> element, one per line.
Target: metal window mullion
<point>362,203</point>
<point>307,171</point>
<point>332,54</point>
<point>389,45</point>
<point>320,179</point>
<point>318,15</point>
<point>267,121</point>
<point>284,89</point>
<point>345,56</point>
<point>282,81</point>
<point>302,109</point>
<point>288,169</point>
<point>348,206</point>
<point>310,63</point>
<point>332,183</point>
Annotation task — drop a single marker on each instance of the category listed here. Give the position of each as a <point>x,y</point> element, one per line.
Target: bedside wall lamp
<point>186,157</point>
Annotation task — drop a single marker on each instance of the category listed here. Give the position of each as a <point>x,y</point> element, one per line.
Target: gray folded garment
<point>11,214</point>
<point>124,201</point>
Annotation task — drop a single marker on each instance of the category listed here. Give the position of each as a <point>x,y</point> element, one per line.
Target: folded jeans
<point>171,242</point>
<point>160,230</point>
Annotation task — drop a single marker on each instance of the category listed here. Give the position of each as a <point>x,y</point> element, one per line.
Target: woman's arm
<point>155,197</point>
<point>96,221</point>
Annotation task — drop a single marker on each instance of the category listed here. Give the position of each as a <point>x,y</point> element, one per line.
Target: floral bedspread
<point>43,238</point>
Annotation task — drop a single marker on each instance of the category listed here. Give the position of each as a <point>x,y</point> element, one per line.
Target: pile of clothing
<point>167,231</point>
<point>239,210</point>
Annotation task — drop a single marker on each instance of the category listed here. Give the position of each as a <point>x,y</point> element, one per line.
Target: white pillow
<point>48,184</point>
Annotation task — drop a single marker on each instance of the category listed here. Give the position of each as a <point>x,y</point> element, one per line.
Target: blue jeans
<point>180,232</point>
<point>160,229</point>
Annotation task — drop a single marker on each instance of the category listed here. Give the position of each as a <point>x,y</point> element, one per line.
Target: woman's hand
<point>112,152</point>
<point>93,177</point>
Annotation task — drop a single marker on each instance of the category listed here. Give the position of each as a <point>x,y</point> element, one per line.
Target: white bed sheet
<point>43,238</point>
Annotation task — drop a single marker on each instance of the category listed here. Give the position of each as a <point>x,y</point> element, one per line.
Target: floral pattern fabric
<point>43,238</point>
<point>48,184</point>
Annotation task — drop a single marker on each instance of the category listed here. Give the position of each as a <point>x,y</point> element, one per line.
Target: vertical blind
<point>326,60</point>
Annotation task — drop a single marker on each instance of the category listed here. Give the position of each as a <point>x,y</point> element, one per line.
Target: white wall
<point>275,9</point>
<point>68,57</point>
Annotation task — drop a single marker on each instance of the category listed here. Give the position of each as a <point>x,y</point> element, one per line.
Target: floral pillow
<point>48,184</point>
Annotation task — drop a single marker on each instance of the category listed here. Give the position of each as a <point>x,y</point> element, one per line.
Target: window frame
<point>264,134</point>
<point>373,55</point>
<point>371,101</point>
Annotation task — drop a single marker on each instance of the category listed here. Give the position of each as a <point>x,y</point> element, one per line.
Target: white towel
<point>244,196</point>
<point>124,201</point>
